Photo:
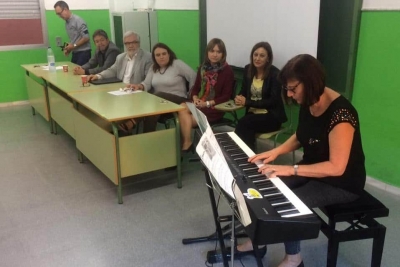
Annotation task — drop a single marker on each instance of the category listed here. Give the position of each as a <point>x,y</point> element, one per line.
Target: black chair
<point>168,118</point>
<point>228,107</point>
<point>360,214</point>
<point>285,129</point>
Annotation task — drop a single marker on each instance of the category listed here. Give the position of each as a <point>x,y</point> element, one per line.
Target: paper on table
<point>121,92</point>
<point>47,67</point>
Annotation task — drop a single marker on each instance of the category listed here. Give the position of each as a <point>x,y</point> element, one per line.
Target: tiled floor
<point>55,211</point>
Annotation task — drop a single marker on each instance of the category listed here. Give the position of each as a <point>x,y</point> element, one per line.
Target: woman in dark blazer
<point>261,95</point>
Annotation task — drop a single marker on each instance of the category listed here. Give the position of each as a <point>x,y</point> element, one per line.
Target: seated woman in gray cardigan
<point>168,78</point>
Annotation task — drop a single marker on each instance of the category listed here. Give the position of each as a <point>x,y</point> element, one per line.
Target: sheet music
<point>211,154</point>
<point>244,215</point>
<point>199,116</point>
<point>212,157</point>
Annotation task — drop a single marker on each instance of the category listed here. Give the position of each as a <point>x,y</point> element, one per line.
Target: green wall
<point>376,93</point>
<point>11,73</point>
<point>180,31</point>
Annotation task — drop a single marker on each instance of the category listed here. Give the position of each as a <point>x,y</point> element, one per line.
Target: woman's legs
<point>314,194</point>
<point>252,123</point>
<point>246,246</point>
<point>319,194</point>
<point>187,123</point>
<point>291,260</point>
<point>150,122</point>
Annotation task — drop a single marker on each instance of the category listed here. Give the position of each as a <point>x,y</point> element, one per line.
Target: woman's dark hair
<point>100,32</point>
<point>307,70</point>
<point>171,54</point>
<point>210,46</point>
<point>252,69</point>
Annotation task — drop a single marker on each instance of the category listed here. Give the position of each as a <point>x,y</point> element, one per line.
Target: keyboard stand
<point>226,232</point>
<point>233,238</point>
<point>218,235</point>
<point>216,215</point>
<point>221,233</point>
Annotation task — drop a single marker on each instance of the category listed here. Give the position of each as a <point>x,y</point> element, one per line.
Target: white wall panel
<point>290,26</point>
<point>129,5</point>
<point>80,4</point>
<point>381,5</point>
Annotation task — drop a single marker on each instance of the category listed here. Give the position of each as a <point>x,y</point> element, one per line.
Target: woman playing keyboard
<point>332,169</point>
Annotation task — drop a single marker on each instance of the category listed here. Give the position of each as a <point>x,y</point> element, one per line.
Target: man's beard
<point>132,53</point>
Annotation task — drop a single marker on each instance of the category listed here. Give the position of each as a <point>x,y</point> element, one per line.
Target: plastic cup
<point>65,68</point>
<point>84,79</point>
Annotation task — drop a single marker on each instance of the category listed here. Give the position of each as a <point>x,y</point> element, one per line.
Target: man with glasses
<point>131,66</point>
<point>104,57</point>
<point>78,33</point>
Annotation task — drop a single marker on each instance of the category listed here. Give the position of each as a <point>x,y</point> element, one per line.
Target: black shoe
<point>216,256</point>
<point>189,149</point>
<point>173,168</point>
<point>240,254</point>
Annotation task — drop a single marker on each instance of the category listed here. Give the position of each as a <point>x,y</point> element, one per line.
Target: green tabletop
<point>67,81</point>
<point>38,71</point>
<point>116,108</point>
<point>228,106</point>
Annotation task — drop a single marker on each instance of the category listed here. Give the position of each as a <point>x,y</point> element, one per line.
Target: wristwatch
<point>75,45</point>
<point>208,104</point>
<point>295,167</point>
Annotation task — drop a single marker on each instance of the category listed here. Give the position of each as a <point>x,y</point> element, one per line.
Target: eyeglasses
<point>291,89</point>
<point>59,13</point>
<point>131,43</point>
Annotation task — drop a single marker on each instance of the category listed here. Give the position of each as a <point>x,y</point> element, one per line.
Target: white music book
<point>210,153</point>
<point>212,157</point>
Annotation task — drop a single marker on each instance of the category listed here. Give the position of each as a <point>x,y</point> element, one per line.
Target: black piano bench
<point>360,214</point>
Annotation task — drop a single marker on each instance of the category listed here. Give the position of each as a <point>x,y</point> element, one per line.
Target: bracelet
<point>208,104</point>
<point>295,167</point>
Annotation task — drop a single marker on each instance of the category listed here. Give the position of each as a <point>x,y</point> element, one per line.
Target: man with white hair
<point>131,66</point>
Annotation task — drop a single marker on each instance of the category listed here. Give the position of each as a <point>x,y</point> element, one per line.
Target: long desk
<point>120,157</point>
<point>60,98</point>
<point>36,87</point>
<point>48,93</point>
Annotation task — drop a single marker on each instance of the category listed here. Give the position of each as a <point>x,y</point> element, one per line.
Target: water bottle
<point>51,60</point>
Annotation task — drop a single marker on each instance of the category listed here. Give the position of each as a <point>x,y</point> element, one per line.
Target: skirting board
<point>381,185</point>
<point>16,103</point>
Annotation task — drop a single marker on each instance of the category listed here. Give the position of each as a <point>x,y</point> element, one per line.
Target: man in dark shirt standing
<point>79,40</point>
<point>103,58</point>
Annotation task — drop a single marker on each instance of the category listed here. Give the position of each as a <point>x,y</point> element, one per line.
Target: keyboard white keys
<point>299,207</point>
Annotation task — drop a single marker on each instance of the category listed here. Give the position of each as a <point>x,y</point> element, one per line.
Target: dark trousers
<point>315,193</point>
<point>82,57</point>
<point>252,123</point>
<point>150,122</point>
